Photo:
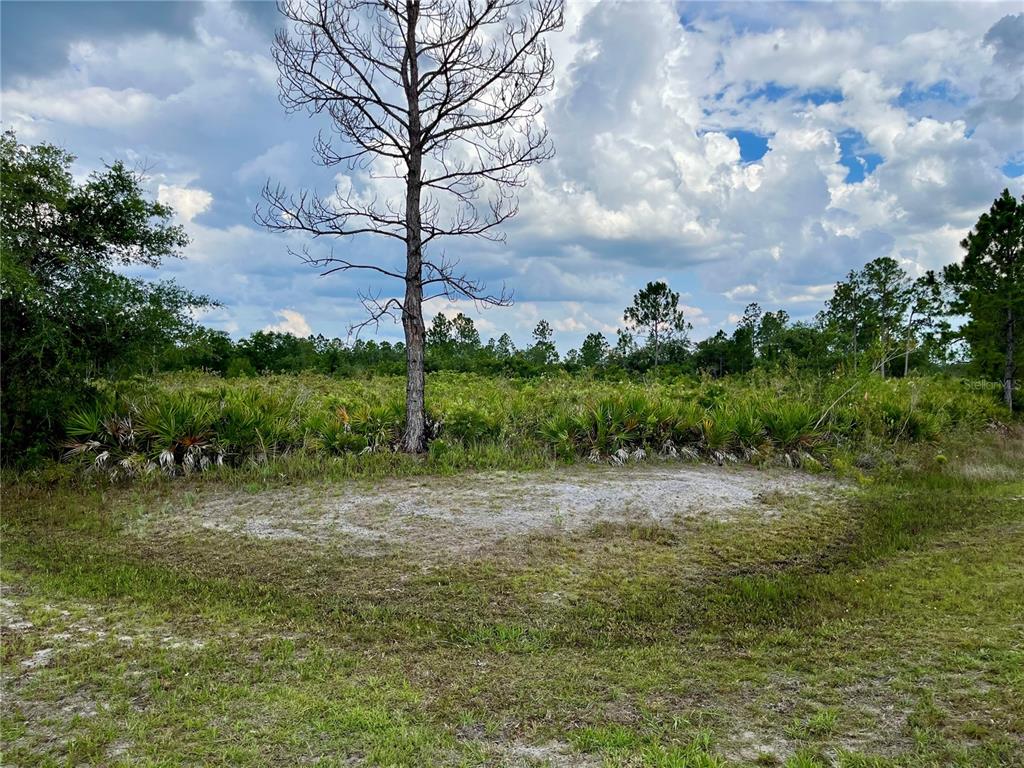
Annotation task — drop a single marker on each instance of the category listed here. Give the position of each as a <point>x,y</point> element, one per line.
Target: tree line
<point>70,317</point>
<point>879,318</point>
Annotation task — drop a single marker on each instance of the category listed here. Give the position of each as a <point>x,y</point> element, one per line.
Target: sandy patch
<point>475,511</point>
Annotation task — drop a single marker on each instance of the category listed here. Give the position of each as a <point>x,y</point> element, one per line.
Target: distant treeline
<point>70,317</point>
<point>879,318</point>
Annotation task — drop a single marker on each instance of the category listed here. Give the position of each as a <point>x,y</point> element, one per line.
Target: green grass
<point>879,629</point>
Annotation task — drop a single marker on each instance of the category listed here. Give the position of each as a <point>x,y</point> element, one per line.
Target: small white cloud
<point>291,322</point>
<point>280,163</point>
<point>569,325</point>
<point>817,293</point>
<point>694,315</point>
<point>187,202</point>
<point>741,292</point>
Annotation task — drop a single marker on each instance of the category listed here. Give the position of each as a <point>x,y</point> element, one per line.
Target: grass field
<point>875,622</point>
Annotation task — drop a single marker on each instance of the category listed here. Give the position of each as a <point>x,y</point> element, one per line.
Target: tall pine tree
<point>988,288</point>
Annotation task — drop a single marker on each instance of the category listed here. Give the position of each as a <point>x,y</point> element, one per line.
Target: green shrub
<point>471,424</point>
<point>203,419</point>
<point>380,425</point>
<point>717,430</point>
<point>793,425</point>
<point>748,426</point>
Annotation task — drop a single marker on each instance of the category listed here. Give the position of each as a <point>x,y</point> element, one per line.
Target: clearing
<point>469,514</point>
<point>659,614</point>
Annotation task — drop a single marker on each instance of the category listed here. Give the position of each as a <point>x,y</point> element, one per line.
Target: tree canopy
<point>655,310</point>
<point>988,288</point>
<point>68,315</point>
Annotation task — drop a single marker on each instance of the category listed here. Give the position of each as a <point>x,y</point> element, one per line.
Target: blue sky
<point>740,151</point>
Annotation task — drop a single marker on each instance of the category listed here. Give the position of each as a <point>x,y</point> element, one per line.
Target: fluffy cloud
<point>291,322</point>
<point>854,169</point>
<point>740,151</point>
<point>187,203</point>
<point>89,107</point>
<point>744,291</point>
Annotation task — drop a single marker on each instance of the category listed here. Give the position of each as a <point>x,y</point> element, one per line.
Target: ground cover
<point>871,618</point>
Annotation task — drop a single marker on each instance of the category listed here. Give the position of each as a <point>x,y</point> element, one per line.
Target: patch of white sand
<point>473,511</point>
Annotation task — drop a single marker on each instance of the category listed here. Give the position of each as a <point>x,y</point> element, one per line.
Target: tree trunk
<point>1010,371</point>
<point>911,335</point>
<point>415,438</point>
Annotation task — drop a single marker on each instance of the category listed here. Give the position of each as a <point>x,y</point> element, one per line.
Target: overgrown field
<point>878,624</point>
<point>188,422</point>
<point>866,616</point>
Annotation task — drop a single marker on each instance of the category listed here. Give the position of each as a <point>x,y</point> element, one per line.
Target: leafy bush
<point>792,425</point>
<point>470,424</point>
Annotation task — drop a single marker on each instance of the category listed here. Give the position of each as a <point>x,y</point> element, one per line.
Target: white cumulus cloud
<point>291,322</point>
<point>187,202</point>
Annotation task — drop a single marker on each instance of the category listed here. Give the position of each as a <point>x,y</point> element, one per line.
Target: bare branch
<point>376,310</point>
<point>443,95</point>
<point>339,216</point>
<point>331,264</point>
<point>456,285</point>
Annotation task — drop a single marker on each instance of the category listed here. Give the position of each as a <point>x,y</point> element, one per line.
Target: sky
<point>739,151</point>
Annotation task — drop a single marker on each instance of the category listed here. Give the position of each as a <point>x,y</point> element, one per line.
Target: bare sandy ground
<point>467,513</point>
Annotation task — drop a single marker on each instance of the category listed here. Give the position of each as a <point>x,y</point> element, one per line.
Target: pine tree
<point>656,310</point>
<point>988,287</point>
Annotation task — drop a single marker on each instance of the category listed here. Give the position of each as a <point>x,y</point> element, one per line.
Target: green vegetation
<point>68,315</point>
<point>988,287</point>
<point>656,310</point>
<point>182,423</point>
<point>72,322</point>
<point>871,627</point>
<point>869,621</point>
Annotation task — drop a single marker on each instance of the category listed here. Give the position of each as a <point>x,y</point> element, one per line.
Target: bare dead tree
<point>440,96</point>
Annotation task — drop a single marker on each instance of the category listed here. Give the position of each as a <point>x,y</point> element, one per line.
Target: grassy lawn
<point>881,626</point>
